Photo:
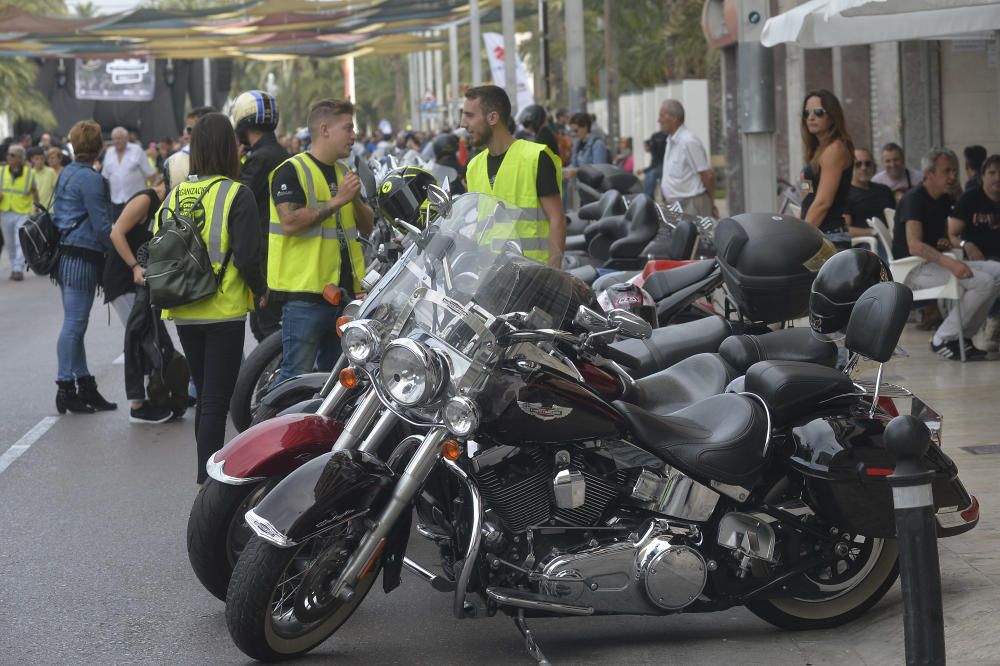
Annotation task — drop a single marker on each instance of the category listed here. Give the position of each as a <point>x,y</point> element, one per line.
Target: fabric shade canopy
<point>828,23</point>
<point>265,29</point>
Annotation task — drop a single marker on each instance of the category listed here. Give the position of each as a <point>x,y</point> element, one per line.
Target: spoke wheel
<point>269,582</point>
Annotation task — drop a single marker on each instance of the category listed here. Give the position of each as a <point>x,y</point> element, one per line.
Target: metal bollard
<point>916,535</point>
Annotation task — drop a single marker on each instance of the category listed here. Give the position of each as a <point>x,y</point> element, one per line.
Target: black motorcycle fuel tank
<point>540,406</point>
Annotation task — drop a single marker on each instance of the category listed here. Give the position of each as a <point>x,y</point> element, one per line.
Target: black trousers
<point>214,353</point>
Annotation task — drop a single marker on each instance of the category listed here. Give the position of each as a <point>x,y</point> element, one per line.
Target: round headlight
<point>461,416</point>
<point>411,372</point>
<point>360,341</point>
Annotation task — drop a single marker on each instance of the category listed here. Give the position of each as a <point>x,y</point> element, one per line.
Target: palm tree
<point>19,97</point>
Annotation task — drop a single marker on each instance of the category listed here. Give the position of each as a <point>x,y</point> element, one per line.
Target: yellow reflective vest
<point>307,261</point>
<point>17,191</point>
<point>233,299</point>
<point>516,184</point>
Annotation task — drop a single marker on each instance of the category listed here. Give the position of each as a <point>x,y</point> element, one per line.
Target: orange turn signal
<point>342,321</point>
<point>348,378</point>
<point>451,450</point>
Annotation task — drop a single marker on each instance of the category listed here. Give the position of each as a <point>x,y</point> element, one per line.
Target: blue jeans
<point>70,349</point>
<point>651,180</point>
<point>308,338</point>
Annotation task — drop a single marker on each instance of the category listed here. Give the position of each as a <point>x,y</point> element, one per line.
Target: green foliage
<point>19,97</point>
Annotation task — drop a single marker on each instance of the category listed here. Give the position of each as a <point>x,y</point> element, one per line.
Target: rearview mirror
<point>439,198</point>
<point>630,325</point>
<point>590,320</point>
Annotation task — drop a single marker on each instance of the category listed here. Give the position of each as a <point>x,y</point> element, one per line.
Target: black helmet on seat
<point>445,144</point>
<point>403,195</point>
<point>532,117</point>
<point>839,284</point>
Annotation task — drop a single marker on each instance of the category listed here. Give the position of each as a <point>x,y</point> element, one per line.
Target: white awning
<point>828,23</point>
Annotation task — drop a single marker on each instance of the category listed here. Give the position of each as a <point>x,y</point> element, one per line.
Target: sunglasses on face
<point>818,112</point>
<point>868,164</point>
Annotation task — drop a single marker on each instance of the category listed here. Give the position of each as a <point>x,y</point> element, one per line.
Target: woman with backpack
<point>212,329</point>
<point>82,212</point>
<point>122,276</point>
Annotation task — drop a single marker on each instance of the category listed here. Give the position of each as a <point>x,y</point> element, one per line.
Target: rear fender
<point>320,494</point>
<point>274,448</point>
<point>304,386</point>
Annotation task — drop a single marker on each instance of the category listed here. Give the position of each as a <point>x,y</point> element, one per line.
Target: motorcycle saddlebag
<point>769,262</point>
<point>845,465</point>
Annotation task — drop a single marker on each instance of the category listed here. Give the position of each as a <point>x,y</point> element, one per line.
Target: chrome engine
<point>659,570</point>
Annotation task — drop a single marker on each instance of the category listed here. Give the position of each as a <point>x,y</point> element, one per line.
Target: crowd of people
<point>955,229</point>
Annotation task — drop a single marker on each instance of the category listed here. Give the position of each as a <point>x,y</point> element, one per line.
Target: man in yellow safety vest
<point>316,217</point>
<point>524,174</point>
<point>18,195</point>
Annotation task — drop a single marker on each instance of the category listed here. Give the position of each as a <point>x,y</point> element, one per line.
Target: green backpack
<point>179,271</point>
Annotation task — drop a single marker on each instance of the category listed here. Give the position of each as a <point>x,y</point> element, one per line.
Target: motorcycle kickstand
<point>529,640</point>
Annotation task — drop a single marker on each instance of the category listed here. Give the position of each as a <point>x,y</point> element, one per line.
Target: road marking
<point>23,444</point>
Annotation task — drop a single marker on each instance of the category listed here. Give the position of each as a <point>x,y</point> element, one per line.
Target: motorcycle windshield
<point>449,292</point>
<point>472,257</point>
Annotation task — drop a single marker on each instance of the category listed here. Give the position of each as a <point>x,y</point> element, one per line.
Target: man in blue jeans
<point>316,218</point>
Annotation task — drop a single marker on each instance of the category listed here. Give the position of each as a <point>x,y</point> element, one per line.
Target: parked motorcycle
<point>549,496</point>
<point>678,362</point>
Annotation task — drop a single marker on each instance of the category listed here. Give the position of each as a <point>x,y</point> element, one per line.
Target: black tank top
<point>834,220</point>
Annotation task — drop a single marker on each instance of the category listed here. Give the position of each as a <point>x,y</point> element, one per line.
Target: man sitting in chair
<point>921,230</point>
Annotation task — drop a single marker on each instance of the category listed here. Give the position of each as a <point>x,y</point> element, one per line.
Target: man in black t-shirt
<point>974,224</point>
<point>866,199</point>
<point>254,114</point>
<point>921,230</point>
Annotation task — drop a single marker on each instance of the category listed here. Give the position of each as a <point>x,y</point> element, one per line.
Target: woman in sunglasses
<point>829,155</point>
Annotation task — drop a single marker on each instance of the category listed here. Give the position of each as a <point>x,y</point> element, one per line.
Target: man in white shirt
<point>176,166</point>
<point>688,178</point>
<point>895,174</point>
<point>126,169</point>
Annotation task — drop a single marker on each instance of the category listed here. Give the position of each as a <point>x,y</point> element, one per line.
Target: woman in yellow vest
<point>211,330</point>
<point>17,198</point>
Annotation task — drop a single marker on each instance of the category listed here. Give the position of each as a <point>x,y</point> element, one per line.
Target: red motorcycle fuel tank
<point>276,446</point>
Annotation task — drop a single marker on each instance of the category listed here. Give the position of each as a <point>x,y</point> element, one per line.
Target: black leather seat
<point>720,438</point>
<point>612,278</point>
<point>641,228</point>
<point>664,283</point>
<point>586,272</point>
<point>681,385</point>
<point>789,344</point>
<point>794,390</point>
<point>674,343</point>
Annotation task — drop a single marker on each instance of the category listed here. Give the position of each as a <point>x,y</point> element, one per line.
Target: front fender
<point>274,448</point>
<point>305,385</point>
<point>318,494</point>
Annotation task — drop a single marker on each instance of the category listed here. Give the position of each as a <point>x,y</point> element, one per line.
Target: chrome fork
<point>359,421</point>
<point>407,487</point>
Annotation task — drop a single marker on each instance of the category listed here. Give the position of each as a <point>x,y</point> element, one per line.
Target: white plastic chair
<point>870,241</point>
<point>890,220</point>
<point>901,268</point>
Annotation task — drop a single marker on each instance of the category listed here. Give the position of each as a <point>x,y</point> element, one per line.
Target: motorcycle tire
<point>216,531</point>
<point>257,374</point>
<point>269,411</point>
<point>264,632</point>
<point>842,606</point>
<point>807,614</point>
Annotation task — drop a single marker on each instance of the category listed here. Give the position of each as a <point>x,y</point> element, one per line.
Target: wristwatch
<point>962,243</point>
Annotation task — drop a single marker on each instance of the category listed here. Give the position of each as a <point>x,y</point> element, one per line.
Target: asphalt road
<point>94,570</point>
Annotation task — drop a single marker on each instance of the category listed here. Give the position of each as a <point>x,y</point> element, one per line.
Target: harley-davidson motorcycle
<point>548,497</point>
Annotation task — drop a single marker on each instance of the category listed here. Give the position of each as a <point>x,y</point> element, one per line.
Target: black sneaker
<point>150,413</point>
<point>972,351</point>
<point>950,350</point>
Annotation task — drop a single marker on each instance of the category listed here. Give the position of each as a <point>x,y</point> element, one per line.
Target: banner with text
<point>494,51</point>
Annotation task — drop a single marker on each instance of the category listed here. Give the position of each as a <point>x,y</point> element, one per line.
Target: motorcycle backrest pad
<point>683,239</point>
<point>877,320</point>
